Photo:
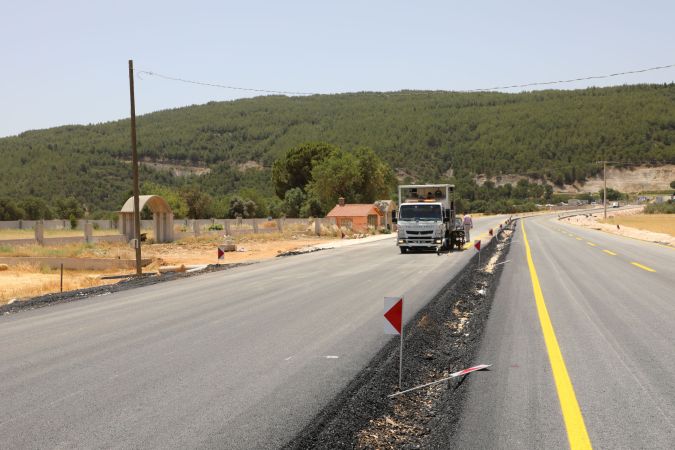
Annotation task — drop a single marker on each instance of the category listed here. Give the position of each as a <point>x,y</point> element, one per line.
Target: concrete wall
<point>58,224</point>
<point>56,241</point>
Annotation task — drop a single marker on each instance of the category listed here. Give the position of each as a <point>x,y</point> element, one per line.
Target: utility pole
<point>604,187</point>
<point>134,163</point>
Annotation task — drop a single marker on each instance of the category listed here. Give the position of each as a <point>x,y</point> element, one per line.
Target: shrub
<point>660,208</point>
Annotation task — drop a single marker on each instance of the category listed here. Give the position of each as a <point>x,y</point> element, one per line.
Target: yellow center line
<point>574,421</point>
<point>648,269</point>
<point>592,244</point>
<point>609,252</point>
<point>579,239</point>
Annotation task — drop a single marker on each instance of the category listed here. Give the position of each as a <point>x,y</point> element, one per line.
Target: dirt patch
<point>25,281</point>
<point>106,289</point>
<point>658,228</point>
<point>441,339</point>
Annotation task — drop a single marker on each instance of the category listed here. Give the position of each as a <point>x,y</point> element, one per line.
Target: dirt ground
<point>25,281</point>
<point>632,223</point>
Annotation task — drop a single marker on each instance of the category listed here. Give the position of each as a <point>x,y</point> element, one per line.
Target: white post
<point>400,361</point>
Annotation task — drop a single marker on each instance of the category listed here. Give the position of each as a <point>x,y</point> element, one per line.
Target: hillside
<point>557,135</point>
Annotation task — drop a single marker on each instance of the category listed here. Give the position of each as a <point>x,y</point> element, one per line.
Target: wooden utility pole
<point>604,187</point>
<point>134,163</point>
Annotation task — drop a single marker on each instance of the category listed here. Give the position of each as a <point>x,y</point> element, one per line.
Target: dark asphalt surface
<point>237,359</point>
<point>615,325</point>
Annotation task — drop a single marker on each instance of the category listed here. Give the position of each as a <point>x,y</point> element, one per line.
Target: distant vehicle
<point>594,203</point>
<point>615,204</point>
<point>426,218</point>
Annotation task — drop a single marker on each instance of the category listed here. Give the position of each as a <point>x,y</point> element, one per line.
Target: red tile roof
<point>353,210</point>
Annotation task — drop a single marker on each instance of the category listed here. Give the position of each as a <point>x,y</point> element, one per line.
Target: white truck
<point>426,218</point>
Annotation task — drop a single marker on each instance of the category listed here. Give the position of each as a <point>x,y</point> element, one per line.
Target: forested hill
<point>553,134</point>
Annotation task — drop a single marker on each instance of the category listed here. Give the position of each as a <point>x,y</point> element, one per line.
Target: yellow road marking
<point>648,269</point>
<point>591,244</point>
<point>574,421</point>
<point>609,252</point>
<point>579,239</point>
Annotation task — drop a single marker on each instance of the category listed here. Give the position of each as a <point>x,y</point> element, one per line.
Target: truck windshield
<point>420,212</point>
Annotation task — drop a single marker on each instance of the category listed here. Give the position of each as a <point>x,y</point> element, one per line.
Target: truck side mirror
<point>393,217</point>
<point>446,215</point>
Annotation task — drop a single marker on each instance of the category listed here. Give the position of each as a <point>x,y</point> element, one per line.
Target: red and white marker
<point>476,245</point>
<point>491,232</point>
<point>393,324</point>
<point>452,375</point>
<point>221,253</point>
<point>469,370</point>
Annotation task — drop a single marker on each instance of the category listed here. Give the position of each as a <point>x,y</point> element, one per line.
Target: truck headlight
<point>401,241</point>
<point>438,241</point>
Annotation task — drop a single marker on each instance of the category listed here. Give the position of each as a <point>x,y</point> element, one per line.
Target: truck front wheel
<point>403,249</point>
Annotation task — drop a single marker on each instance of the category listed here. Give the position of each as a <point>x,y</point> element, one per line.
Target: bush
<point>660,208</point>
<point>215,227</point>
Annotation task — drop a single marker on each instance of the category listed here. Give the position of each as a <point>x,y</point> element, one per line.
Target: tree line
<point>553,136</point>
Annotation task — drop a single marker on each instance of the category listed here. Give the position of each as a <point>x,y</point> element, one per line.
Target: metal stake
<point>400,361</point>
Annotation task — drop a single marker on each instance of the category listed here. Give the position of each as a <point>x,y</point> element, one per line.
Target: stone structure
<point>162,217</point>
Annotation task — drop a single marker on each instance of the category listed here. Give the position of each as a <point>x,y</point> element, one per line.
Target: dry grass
<point>25,281</point>
<point>658,223</point>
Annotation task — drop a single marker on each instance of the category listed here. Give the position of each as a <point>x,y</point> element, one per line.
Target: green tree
<point>9,210</point>
<point>672,184</point>
<point>294,168</point>
<point>67,208</point>
<point>376,177</point>
<point>240,207</point>
<point>612,195</point>
<point>336,176</point>
<point>35,208</point>
<point>293,201</point>
<point>198,203</point>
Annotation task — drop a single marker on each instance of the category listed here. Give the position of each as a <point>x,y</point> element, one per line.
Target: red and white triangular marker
<point>491,232</point>
<point>469,370</point>
<point>393,315</point>
<point>476,245</point>
<point>221,253</point>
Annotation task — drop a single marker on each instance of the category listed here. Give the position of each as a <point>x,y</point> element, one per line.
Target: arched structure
<point>162,217</point>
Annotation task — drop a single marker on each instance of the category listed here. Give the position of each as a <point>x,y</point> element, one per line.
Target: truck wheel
<point>403,249</point>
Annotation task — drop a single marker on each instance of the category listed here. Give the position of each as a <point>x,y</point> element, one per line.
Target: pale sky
<point>65,62</point>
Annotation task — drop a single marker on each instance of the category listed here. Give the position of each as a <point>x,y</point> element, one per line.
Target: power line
<point>594,77</point>
<point>494,88</point>
<point>223,86</point>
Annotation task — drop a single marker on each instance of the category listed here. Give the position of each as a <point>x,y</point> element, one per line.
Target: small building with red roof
<point>356,216</point>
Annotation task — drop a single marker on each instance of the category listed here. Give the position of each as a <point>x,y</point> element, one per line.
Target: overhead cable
<point>494,88</point>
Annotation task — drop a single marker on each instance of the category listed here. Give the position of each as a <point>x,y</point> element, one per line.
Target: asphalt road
<point>237,359</point>
<point>611,304</point>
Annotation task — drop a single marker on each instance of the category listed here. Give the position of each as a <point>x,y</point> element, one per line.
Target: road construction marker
<point>221,253</point>
<point>609,252</point>
<point>577,435</point>
<point>393,324</point>
<point>503,262</point>
<point>648,269</point>
<point>452,375</point>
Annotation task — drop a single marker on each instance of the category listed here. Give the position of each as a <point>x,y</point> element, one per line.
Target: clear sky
<point>65,62</point>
